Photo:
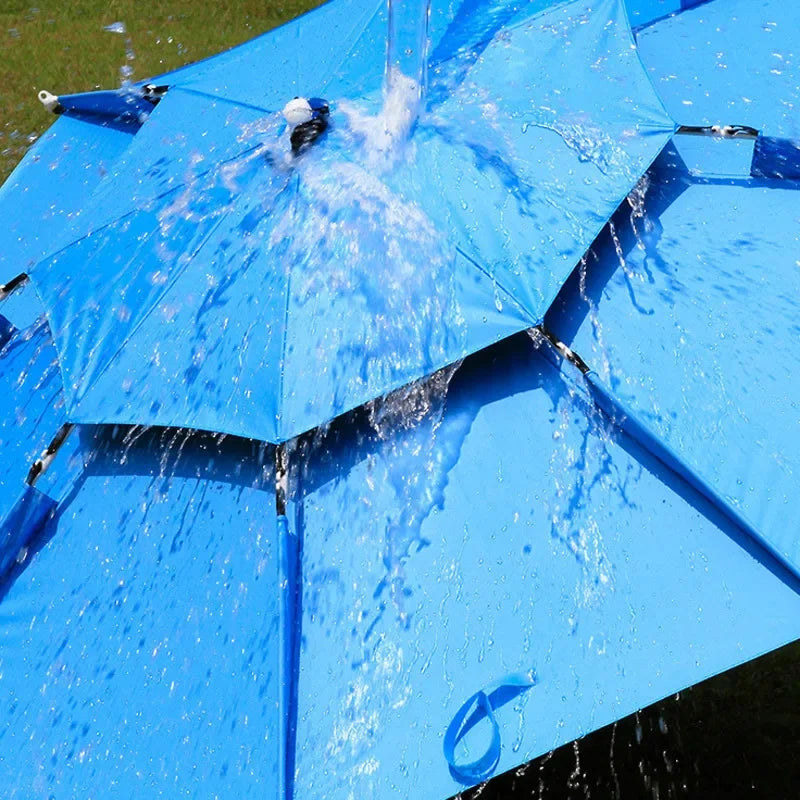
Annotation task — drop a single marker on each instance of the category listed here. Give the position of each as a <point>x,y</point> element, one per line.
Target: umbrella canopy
<point>140,646</point>
<point>486,539</point>
<point>216,283</point>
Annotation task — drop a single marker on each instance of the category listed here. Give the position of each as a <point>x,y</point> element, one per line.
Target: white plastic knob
<point>48,100</point>
<point>297,111</point>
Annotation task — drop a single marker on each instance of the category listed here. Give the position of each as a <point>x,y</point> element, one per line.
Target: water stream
<point>407,46</point>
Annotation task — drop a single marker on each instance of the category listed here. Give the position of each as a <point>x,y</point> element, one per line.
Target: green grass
<point>61,46</point>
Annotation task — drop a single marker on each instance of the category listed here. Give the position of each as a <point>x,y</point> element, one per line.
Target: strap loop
<point>478,707</point>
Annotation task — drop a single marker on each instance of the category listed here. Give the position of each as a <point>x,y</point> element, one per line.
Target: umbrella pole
<point>288,656</point>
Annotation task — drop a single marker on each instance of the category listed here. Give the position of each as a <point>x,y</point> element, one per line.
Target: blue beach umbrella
<point>479,566</point>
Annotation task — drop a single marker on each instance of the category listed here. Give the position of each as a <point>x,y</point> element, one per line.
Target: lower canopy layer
<point>506,532</point>
<point>139,649</point>
<point>514,535</point>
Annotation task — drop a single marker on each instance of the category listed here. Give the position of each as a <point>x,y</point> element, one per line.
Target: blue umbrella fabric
<point>71,158</point>
<point>215,283</point>
<point>484,534</point>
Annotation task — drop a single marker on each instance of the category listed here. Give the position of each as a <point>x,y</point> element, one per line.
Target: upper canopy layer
<point>213,282</point>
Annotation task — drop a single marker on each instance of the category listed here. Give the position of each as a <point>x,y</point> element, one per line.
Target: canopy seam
<point>281,373</point>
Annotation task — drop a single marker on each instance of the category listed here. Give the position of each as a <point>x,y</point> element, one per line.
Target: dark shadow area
<point>506,368</point>
<point>685,6</point>
<point>734,735</point>
<point>119,450</point>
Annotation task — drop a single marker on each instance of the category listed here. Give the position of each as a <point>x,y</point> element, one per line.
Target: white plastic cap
<point>49,101</point>
<point>297,111</point>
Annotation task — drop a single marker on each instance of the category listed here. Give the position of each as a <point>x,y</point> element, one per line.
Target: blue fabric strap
<point>288,576</point>
<point>479,706</point>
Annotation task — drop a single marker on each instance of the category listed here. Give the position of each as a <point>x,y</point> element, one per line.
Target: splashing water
<point>383,136</point>
<point>584,477</point>
<point>588,141</point>
<point>126,70</point>
<point>409,406</point>
<point>585,484</point>
<point>116,27</point>
<point>359,245</point>
<point>415,465</point>
<point>640,222</point>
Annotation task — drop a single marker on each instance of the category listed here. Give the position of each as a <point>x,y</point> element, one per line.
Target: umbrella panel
<point>506,534</point>
<point>139,650</point>
<point>730,63</point>
<point>52,184</point>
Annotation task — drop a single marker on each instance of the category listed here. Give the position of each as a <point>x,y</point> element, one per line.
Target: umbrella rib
<point>222,99</point>
<point>627,421</point>
<point>510,295</point>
